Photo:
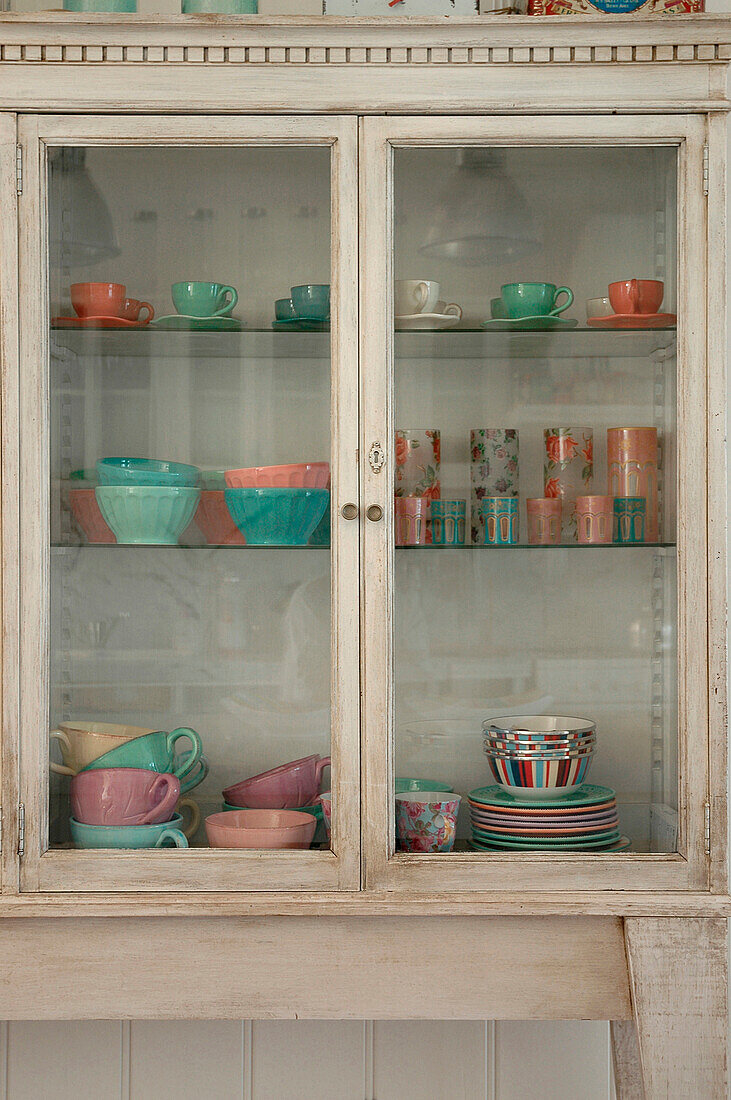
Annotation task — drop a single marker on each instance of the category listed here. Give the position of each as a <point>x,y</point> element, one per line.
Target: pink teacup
<point>636,295</point>
<point>123,796</point>
<point>284,788</point>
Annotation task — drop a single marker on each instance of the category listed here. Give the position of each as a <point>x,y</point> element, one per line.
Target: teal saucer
<point>620,845</point>
<point>300,324</point>
<point>178,323</point>
<point>540,323</point>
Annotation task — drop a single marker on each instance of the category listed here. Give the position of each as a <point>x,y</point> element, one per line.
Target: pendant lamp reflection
<point>482,217</point>
<point>79,219</point>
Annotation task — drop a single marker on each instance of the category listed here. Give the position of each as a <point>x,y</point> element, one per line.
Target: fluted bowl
<point>277,517</point>
<point>147,515</point>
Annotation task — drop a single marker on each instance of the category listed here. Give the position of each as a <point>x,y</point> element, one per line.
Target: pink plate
<point>549,823</point>
<point>524,830</point>
<point>634,320</point>
<point>542,811</point>
<point>96,322</point>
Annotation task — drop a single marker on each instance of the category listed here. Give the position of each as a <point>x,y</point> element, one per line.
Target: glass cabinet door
<point>536,557</point>
<point>189,589</point>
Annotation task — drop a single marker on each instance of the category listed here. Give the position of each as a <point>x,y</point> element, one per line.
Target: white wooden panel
<point>413,1060</point>
<point>64,1060</point>
<point>187,1059</point>
<point>552,1061</point>
<point>323,1058</point>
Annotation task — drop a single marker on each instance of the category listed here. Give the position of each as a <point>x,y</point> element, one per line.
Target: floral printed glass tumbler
<point>500,518</point>
<point>632,469</point>
<point>418,460</point>
<point>594,519</point>
<point>493,471</point>
<point>568,470</point>
<point>448,522</point>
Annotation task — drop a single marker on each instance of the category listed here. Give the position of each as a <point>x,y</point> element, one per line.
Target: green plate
<point>620,845</point>
<point>543,845</point>
<point>529,324</point>
<point>587,795</point>
<point>177,323</point>
<point>524,838</point>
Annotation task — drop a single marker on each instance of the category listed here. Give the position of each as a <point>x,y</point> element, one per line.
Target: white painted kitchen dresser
<point>270,153</point>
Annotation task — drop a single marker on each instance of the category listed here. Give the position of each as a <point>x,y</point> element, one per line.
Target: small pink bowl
<point>87,514</point>
<point>260,829</point>
<point>214,521</point>
<point>296,475</point>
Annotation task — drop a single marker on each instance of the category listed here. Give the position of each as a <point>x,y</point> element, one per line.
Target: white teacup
<point>598,307</point>
<point>415,296</point>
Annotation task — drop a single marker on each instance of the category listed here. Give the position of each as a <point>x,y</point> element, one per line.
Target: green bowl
<point>405,784</point>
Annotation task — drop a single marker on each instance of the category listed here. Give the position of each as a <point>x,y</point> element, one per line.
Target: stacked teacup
<point>536,755</point>
<point>147,501</point>
<point>263,802</point>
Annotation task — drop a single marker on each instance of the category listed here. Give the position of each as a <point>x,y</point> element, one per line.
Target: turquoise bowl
<point>126,6</point>
<point>405,784</point>
<point>276,517</point>
<point>168,834</point>
<point>145,471</point>
<point>213,479</point>
<point>147,515</point>
<point>321,535</point>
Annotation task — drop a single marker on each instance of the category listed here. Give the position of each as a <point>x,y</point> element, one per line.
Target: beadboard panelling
<point>324,1058</point>
<point>552,1060</point>
<point>415,1059</point>
<point>185,1058</point>
<point>77,1058</point>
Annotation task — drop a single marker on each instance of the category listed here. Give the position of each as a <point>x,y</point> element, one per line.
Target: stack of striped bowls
<point>585,821</point>
<point>533,755</point>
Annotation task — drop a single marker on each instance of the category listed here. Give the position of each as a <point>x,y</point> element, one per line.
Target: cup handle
<point>559,309</point>
<point>178,838</point>
<point>634,294</point>
<point>196,777</point>
<point>193,756</point>
<point>165,782</point>
<point>229,305</point>
<point>150,311</point>
<point>453,310</point>
<point>195,815</point>
<point>422,295</point>
<point>323,763</point>
<point>61,769</point>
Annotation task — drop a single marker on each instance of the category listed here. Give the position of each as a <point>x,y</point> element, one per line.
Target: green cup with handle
<point>156,753</point>
<point>195,299</point>
<point>166,834</point>
<point>534,299</point>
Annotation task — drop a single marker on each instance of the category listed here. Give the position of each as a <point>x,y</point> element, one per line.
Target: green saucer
<point>539,323</point>
<point>177,323</point>
<point>587,795</point>
<point>620,845</point>
<point>300,324</point>
<point>546,846</point>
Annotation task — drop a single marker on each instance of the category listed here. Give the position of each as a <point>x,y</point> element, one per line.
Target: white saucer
<point>413,322</point>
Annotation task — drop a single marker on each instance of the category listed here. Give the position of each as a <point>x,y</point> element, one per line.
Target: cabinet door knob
<point>349,511</point>
<point>374,512</point>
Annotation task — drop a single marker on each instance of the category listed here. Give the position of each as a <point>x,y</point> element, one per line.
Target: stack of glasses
<point>531,755</point>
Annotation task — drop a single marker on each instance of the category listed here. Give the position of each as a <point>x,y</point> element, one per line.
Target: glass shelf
<point>516,546</point>
<point>578,343</point>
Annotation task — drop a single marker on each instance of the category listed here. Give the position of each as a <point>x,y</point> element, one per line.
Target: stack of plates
<point>585,821</point>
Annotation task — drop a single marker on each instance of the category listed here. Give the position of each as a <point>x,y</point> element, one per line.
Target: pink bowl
<point>214,522</point>
<point>124,796</point>
<point>88,516</point>
<point>296,475</point>
<point>260,829</point>
<point>286,787</point>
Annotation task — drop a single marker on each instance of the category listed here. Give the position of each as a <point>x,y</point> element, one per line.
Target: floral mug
<point>426,821</point>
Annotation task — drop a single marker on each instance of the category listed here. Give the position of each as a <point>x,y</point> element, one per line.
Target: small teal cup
<point>501,520</point>
<point>204,299</point>
<point>498,309</point>
<point>284,310</point>
<point>448,522</point>
<point>168,834</point>
<point>629,520</point>
<point>312,301</point>
<point>534,299</point>
<point>156,753</point>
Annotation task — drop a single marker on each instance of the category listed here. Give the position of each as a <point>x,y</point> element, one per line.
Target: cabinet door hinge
<point>707,826</point>
<point>705,169</point>
<point>21,829</point>
<point>19,169</point>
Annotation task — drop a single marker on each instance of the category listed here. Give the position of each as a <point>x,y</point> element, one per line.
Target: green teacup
<point>155,752</point>
<point>167,834</point>
<point>534,299</point>
<point>204,299</point>
<point>404,784</point>
<point>498,309</point>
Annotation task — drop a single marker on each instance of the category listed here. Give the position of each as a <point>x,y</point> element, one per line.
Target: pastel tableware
<point>277,517</point>
<point>201,299</point>
<point>321,535</point>
<point>83,742</point>
<point>260,829</point>
<point>86,512</point>
<point>589,795</point>
<point>213,520</point>
<point>636,295</point>
<point>418,465</point>
<point>629,520</point>
<point>213,479</point>
<point>146,471</point>
<point>498,309</point>
<point>598,307</point>
<point>147,515</point>
<point>493,471</point>
<point>410,521</point>
<point>568,471</point>
<point>426,821</point>
<point>327,810</point>
<point>121,6</point>
<point>287,786</point>
<point>132,307</point>
<point>220,7</point>
<point>539,725</point>
<point>500,518</point>
<point>448,519</point>
<point>167,834</point>
<point>98,299</point>
<point>293,475</point>
<point>123,796</point>
<point>544,520</point>
<point>415,296</point>
<point>312,301</point>
<point>632,470</point>
<point>284,310</point>
<point>155,752</point>
<point>594,519</point>
<point>405,784</point>
<point>534,299</point>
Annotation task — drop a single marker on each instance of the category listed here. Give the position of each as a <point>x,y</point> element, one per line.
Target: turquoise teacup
<point>534,299</point>
<point>284,310</point>
<point>312,301</point>
<point>155,752</point>
<point>498,309</point>
<point>204,299</point>
<point>167,834</point>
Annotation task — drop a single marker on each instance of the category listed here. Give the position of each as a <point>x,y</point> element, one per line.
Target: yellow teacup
<point>83,742</point>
